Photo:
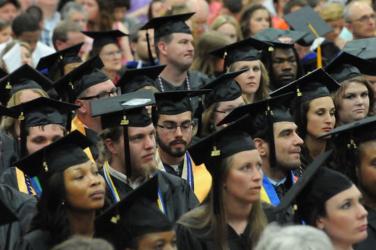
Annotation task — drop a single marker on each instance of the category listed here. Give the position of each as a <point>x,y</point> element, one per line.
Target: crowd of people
<point>197,124</point>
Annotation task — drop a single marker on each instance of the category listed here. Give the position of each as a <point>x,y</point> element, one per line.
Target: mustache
<point>178,141</point>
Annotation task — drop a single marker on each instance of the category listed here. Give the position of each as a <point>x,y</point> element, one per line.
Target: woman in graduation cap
<point>232,217</point>
<point>73,190</point>
<point>313,111</point>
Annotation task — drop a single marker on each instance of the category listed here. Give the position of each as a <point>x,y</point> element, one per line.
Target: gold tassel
<point>8,85</point>
<point>115,219</point>
<point>215,152</point>
<point>124,121</point>
<point>45,166</point>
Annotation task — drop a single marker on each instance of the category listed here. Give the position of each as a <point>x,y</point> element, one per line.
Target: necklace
<point>163,89</point>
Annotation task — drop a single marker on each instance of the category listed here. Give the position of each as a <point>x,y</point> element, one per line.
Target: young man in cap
<point>173,41</point>
<point>130,153</point>
<point>42,122</point>
<point>174,124</point>
<point>275,135</point>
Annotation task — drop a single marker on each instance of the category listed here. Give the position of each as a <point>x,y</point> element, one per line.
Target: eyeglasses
<point>171,127</point>
<point>365,19</point>
<point>106,94</point>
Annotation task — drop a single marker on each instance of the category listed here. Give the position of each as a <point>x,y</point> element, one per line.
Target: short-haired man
<point>139,46</point>
<point>360,19</point>
<point>174,124</point>
<point>67,34</point>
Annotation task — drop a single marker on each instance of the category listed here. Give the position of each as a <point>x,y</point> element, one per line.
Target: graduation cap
<point>102,38</point>
<point>364,48</point>
<point>308,21</point>
<point>24,77</point>
<point>249,49</point>
<point>315,175</point>
<point>53,65</point>
<point>216,147</point>
<point>176,102</point>
<point>40,112</point>
<point>311,86</point>
<point>124,110</point>
<point>84,76</point>
<point>224,87</point>
<point>135,79</point>
<point>56,157</point>
<point>280,38</point>
<point>346,66</point>
<point>133,217</point>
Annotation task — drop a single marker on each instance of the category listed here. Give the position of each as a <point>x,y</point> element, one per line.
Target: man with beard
<point>173,41</point>
<point>275,135</point>
<point>174,124</point>
<point>129,148</point>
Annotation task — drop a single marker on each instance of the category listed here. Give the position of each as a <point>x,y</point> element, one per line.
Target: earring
<point>63,203</point>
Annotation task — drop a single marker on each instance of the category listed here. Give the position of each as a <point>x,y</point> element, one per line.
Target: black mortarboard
<point>216,147</point>
<point>346,66</point>
<point>246,50</point>
<point>53,65</point>
<point>166,25</point>
<point>363,48</point>
<point>125,110</point>
<point>224,87</point>
<point>84,76</point>
<point>56,157</point>
<point>135,79</point>
<point>132,217</point>
<point>305,17</point>
<point>274,36</point>
<point>102,38</point>
<point>315,174</point>
<point>40,112</point>
<point>25,77</point>
<point>310,86</point>
<point>176,102</point>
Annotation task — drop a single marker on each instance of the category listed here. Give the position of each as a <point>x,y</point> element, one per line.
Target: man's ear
<point>349,26</point>
<point>109,144</point>
<point>82,109</point>
<point>162,48</point>
<point>261,146</point>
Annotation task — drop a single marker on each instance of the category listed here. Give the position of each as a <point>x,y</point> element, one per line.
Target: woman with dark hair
<point>232,216</point>
<point>253,19</point>
<point>313,111</point>
<point>73,190</point>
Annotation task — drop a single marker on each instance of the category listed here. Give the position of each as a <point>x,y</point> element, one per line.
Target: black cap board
<point>224,87</point>
<point>53,65</point>
<point>125,110</point>
<point>166,25</point>
<point>249,49</point>
<point>280,38</point>
<point>132,217</point>
<point>102,38</point>
<point>346,66</point>
<point>135,79</point>
<point>56,157</point>
<point>84,76</point>
<point>25,77</point>
<point>364,48</point>
<point>305,18</point>
<point>176,102</point>
<point>310,86</point>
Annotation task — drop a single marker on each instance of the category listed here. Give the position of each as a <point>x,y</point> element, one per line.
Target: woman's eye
<point>347,205</point>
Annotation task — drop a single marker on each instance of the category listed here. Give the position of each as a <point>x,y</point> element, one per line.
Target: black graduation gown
<point>370,242</point>
<point>177,196</point>
<point>188,239</point>
<point>24,207</point>
<point>8,151</point>
<point>35,240</point>
<point>9,177</point>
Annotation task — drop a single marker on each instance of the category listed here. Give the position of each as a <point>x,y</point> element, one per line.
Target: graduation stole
<point>78,125</point>
<point>115,193</point>
<point>268,193</point>
<point>28,185</point>
<point>188,171</point>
